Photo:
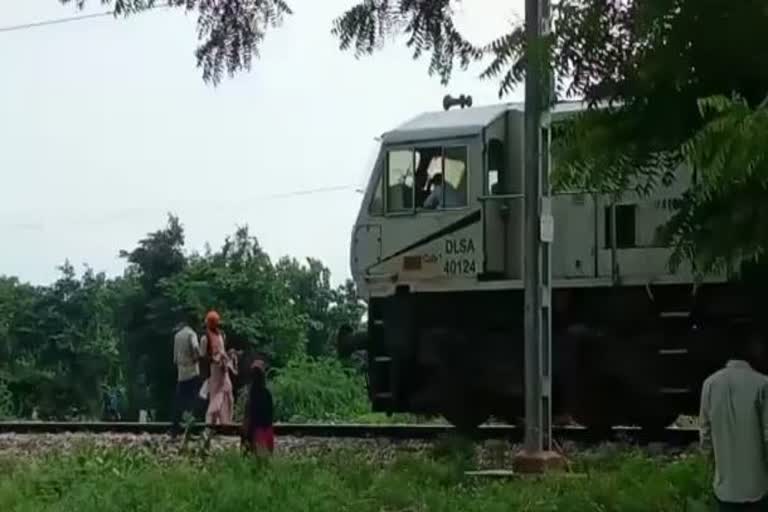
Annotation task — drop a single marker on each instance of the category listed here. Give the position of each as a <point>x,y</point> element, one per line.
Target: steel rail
<point>670,436</point>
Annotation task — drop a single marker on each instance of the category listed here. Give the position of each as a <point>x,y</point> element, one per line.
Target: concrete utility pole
<point>537,455</point>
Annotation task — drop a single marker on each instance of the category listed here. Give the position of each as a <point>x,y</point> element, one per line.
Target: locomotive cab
<point>420,222</point>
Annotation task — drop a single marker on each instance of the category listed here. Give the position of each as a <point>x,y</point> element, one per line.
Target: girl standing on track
<point>258,435</point>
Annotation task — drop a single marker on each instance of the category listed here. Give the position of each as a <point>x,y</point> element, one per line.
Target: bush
<point>318,389</point>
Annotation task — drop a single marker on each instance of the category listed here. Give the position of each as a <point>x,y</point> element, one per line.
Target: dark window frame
<point>626,226</point>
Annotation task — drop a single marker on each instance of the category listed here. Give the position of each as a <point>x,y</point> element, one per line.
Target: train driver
<point>443,195</point>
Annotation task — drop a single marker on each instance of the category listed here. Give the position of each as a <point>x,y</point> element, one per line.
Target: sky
<point>106,126</point>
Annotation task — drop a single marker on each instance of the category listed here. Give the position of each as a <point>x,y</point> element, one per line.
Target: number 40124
<point>454,267</point>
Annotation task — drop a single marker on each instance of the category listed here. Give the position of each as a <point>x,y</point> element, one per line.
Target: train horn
<point>463,101</point>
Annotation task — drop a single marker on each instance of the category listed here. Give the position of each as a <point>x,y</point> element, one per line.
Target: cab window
<point>427,178</point>
<point>455,177</point>
<point>495,167</point>
<point>400,165</point>
<point>376,206</point>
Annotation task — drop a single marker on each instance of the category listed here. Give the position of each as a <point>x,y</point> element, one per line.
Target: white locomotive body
<point>437,252</point>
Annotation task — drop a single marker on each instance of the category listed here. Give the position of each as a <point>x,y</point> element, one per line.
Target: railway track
<point>670,436</point>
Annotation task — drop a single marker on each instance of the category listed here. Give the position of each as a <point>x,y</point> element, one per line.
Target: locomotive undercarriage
<point>620,355</point>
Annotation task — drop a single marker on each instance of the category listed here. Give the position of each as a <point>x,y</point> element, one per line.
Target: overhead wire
<point>58,21</point>
<point>68,19</point>
<point>310,191</point>
<point>107,217</point>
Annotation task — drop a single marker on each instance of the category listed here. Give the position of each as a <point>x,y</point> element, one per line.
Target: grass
<point>107,480</point>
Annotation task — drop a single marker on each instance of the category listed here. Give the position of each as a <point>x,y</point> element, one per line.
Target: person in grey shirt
<point>186,354</point>
<point>734,427</point>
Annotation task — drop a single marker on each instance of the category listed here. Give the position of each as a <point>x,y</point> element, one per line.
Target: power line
<point>69,19</point>
<point>109,217</point>
<point>25,26</point>
<point>307,192</point>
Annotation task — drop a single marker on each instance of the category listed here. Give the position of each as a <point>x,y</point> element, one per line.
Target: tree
<point>722,220</point>
<point>240,282</point>
<point>324,308</point>
<point>310,291</point>
<point>148,317</point>
<point>18,346</point>
<point>427,24</point>
<point>663,70</point>
<point>59,344</point>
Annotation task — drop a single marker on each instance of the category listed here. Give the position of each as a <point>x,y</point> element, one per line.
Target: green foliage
<point>612,151</point>
<point>727,150</point>
<point>117,479</point>
<point>318,389</point>
<point>148,317</point>
<point>63,345</point>
<point>323,308</point>
<point>60,341</point>
<point>240,282</point>
<point>721,221</point>
<point>661,74</point>
<point>428,25</point>
<point>507,63</point>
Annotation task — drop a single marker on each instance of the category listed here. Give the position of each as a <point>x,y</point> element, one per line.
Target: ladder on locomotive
<point>380,363</point>
<point>675,316</point>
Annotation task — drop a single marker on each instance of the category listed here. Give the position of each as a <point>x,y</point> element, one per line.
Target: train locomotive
<point>437,254</point>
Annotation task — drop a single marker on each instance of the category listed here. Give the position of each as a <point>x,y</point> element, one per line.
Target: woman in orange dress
<point>220,392</point>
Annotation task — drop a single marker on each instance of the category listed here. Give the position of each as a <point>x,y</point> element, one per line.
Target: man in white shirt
<point>186,354</point>
<point>443,195</point>
<point>734,428</point>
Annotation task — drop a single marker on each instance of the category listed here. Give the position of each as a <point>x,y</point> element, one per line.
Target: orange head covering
<point>212,322</point>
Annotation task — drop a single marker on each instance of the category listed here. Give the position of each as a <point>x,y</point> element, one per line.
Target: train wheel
<point>465,411</point>
<point>597,406</point>
<point>656,422</point>
<point>601,425</point>
<point>454,384</point>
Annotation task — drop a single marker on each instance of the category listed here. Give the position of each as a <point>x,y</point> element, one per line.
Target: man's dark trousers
<point>186,400</point>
